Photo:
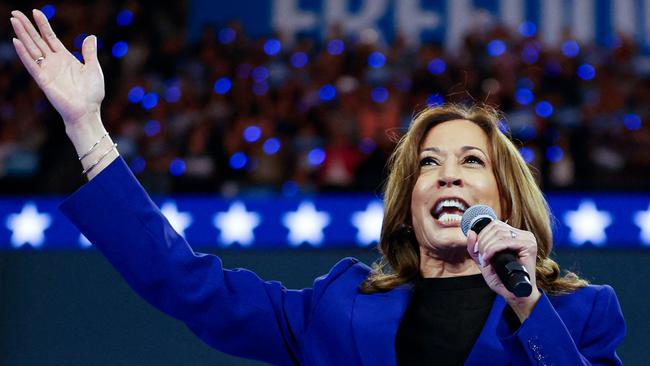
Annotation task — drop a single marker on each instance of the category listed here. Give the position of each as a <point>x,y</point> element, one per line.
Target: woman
<point>435,299</point>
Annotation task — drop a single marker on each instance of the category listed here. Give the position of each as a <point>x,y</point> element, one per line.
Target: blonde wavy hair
<point>521,200</point>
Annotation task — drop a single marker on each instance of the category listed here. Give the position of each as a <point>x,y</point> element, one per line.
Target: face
<point>455,173</point>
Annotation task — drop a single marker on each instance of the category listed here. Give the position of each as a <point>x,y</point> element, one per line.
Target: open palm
<point>76,90</point>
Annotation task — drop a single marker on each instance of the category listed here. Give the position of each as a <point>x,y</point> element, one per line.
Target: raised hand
<point>76,90</point>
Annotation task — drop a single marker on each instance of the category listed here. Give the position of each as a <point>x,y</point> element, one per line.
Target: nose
<point>450,181</point>
<point>450,178</point>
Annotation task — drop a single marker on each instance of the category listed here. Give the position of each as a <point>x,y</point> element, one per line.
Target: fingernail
<point>480,260</point>
<point>476,247</point>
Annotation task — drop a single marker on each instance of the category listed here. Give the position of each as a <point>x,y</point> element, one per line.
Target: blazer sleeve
<point>543,338</point>
<point>231,310</point>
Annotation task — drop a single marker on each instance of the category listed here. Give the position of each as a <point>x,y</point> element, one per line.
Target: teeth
<point>450,203</point>
<point>448,218</point>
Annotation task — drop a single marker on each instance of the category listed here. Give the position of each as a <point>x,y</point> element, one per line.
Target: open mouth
<point>449,210</point>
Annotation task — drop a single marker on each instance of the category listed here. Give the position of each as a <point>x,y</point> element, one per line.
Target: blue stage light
<point>152,128</point>
<point>222,85</point>
<point>379,94</point>
<point>437,66</point>
<point>177,167</point>
<point>120,49</point>
<point>544,109</point>
<point>496,48</point>
<point>316,156</point>
<point>252,133</point>
<point>435,100</point>
<point>226,35</point>
<point>260,74</point>
<point>335,47</point>
<point>529,54</point>
<point>299,59</point>
<point>327,92</point>
<point>124,17</point>
<point>554,153</point>
<point>272,47</point>
<point>632,121</point>
<point>527,29</point>
<point>527,154</point>
<point>524,96</point>
<point>49,10</point>
<point>173,94</point>
<point>149,100</point>
<point>238,160</point>
<point>271,146</point>
<point>135,94</point>
<point>586,72</point>
<point>570,48</point>
<point>376,60</point>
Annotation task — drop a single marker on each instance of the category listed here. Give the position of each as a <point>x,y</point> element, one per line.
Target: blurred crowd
<point>230,113</point>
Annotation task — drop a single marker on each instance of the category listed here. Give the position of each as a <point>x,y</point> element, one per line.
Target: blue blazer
<point>331,323</point>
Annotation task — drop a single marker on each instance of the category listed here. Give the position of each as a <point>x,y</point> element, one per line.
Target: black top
<point>443,320</point>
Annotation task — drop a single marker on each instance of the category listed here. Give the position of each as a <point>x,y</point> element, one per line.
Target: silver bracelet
<point>93,147</point>
<point>98,160</point>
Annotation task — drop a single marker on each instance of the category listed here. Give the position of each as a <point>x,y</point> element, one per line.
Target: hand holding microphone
<point>506,257</point>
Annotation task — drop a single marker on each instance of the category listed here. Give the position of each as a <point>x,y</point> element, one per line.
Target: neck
<point>447,262</point>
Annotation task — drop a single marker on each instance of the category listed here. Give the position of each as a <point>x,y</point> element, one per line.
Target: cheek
<point>489,192</point>
<point>418,199</point>
<point>421,192</point>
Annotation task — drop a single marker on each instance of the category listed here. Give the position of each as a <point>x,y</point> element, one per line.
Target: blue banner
<point>444,21</point>
<point>599,220</point>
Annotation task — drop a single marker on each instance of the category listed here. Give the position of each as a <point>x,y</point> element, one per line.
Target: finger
<point>26,58</point>
<point>491,249</point>
<point>32,32</point>
<point>89,50</point>
<point>472,245</point>
<point>489,232</point>
<point>25,39</point>
<point>47,32</point>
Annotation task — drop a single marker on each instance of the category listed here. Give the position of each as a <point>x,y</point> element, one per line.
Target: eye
<point>473,159</point>
<point>428,161</point>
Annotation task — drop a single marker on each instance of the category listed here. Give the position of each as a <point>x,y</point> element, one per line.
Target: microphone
<point>511,273</point>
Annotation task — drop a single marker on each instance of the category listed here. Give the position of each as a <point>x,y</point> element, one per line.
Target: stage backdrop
<point>443,21</point>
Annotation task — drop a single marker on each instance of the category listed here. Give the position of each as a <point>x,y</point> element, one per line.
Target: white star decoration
<point>588,224</point>
<point>28,226</point>
<point>368,223</point>
<point>84,242</point>
<point>306,225</point>
<point>178,220</point>
<point>642,220</point>
<point>237,224</point>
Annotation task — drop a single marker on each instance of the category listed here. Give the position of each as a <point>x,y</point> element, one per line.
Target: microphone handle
<point>512,273</point>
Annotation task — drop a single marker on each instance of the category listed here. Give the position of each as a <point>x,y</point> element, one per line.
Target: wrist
<point>523,306</point>
<point>83,132</point>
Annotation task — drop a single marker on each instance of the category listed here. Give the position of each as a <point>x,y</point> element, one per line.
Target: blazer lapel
<point>488,350</point>
<point>375,320</point>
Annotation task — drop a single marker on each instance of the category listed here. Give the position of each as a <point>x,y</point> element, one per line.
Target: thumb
<point>89,50</point>
<point>472,245</point>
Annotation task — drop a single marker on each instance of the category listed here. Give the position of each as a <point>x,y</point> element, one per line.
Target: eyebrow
<point>463,149</point>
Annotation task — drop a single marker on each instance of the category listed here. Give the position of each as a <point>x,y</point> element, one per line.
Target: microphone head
<point>474,214</point>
